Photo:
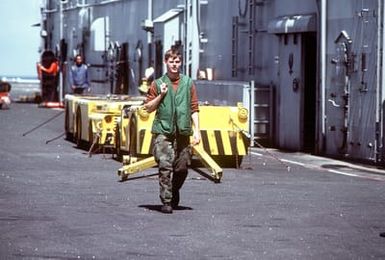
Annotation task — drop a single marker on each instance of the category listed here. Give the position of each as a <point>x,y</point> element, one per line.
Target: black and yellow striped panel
<point>214,142</point>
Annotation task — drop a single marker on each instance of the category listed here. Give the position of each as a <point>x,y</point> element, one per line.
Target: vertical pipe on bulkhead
<point>61,17</point>
<point>251,39</point>
<point>195,39</point>
<point>381,76</point>
<point>378,83</point>
<point>192,41</point>
<point>234,47</point>
<point>323,67</point>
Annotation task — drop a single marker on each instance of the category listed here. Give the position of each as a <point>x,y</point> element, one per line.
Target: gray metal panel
<point>358,20</point>
<point>293,24</point>
<point>224,93</point>
<point>362,126</point>
<point>292,7</point>
<point>215,26</point>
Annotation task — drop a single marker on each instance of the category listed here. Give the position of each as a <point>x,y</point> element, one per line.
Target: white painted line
<point>293,162</point>
<point>364,176</point>
<point>257,154</point>
<point>377,178</point>
<point>370,176</point>
<point>344,173</point>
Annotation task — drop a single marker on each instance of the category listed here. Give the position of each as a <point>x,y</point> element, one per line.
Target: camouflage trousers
<point>173,155</point>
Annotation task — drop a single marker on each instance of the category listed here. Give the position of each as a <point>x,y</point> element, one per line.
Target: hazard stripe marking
<point>241,144</point>
<point>246,142</point>
<point>233,142</point>
<point>151,144</point>
<point>212,142</point>
<point>145,139</point>
<point>218,138</point>
<point>141,139</point>
<point>146,142</point>
<point>205,141</point>
<point>226,143</point>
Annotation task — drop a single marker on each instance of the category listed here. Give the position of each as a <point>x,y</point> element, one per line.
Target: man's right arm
<point>153,98</point>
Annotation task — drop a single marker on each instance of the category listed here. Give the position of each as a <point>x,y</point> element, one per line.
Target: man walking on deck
<point>175,100</point>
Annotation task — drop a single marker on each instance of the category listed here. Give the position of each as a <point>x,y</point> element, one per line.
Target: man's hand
<point>163,89</point>
<point>196,138</point>
<point>154,103</point>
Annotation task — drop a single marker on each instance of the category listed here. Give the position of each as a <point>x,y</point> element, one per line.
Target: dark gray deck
<point>56,203</point>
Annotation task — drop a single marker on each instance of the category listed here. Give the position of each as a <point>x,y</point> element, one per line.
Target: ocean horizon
<point>24,80</point>
<point>24,77</point>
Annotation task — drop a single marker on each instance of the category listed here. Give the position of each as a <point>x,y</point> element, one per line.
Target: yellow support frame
<point>208,162</point>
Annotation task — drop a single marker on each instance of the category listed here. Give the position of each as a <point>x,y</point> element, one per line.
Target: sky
<point>20,42</point>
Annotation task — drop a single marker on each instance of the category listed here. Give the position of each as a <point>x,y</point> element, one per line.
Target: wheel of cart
<point>78,132</point>
<point>118,149</point>
<point>68,134</point>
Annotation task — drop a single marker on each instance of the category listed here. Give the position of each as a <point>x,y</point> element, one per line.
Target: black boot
<point>175,199</point>
<point>166,208</point>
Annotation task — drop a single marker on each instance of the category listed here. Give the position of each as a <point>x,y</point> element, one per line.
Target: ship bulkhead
<point>310,71</point>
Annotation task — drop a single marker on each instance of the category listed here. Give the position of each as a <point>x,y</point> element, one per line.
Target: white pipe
<point>46,11</point>
<point>149,17</point>
<point>323,65</point>
<point>252,112</point>
<point>61,52</point>
<point>195,39</point>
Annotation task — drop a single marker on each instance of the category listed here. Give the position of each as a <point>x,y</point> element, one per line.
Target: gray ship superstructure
<point>311,71</point>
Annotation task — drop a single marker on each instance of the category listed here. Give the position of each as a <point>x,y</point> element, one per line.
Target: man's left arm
<point>196,130</point>
<point>195,115</point>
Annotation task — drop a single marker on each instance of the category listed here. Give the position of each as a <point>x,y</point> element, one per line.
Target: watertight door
<point>290,93</point>
<point>352,86</point>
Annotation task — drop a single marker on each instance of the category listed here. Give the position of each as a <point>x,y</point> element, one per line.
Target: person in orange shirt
<point>53,68</point>
<point>48,77</point>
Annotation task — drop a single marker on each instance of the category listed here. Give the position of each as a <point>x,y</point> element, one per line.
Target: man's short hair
<point>173,52</point>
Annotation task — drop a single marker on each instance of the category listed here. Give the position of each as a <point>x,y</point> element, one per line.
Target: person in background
<point>78,76</point>
<point>53,68</point>
<point>49,79</point>
<point>5,97</point>
<point>175,100</point>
